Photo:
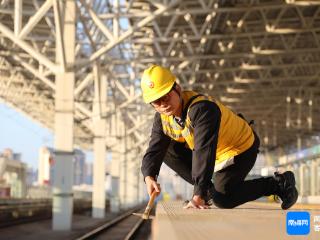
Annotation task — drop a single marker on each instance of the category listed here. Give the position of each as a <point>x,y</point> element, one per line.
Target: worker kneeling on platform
<point>197,136</point>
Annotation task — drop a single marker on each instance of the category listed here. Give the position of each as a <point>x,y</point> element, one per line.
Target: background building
<point>79,171</point>
<point>46,163</point>
<point>13,174</point>
<point>89,173</point>
<point>45,166</point>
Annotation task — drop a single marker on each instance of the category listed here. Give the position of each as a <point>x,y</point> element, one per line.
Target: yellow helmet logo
<point>151,84</point>
<point>156,81</point>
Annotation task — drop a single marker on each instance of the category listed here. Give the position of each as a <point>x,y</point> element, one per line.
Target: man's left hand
<point>196,202</point>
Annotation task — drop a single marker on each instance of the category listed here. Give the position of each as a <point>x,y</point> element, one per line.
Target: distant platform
<point>254,220</point>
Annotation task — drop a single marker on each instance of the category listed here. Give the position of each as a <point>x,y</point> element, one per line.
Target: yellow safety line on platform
<point>297,206</point>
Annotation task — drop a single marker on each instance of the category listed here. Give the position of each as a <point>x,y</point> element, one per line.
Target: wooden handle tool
<point>146,213</point>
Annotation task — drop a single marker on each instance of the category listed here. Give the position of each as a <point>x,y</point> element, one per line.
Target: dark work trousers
<point>231,188</point>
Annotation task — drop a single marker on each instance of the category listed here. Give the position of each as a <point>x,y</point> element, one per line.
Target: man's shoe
<point>286,189</point>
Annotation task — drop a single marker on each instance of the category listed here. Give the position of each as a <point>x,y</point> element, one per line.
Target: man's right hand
<point>152,185</point>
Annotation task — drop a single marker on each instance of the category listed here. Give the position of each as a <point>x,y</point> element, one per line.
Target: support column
<point>64,124</point>
<point>99,145</point>
<point>132,174</point>
<point>301,177</point>
<point>115,168</point>
<point>314,177</point>
<point>123,164</point>
<point>318,177</point>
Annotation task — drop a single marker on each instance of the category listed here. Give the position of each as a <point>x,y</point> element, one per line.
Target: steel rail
<point>113,223</point>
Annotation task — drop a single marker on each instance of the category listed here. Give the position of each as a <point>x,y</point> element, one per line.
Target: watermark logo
<point>298,223</point>
<point>316,221</point>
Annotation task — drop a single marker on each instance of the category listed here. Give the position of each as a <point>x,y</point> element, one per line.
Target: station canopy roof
<point>261,58</point>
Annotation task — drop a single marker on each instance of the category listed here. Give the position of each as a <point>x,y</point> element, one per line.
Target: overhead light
<point>192,80</point>
<point>258,50</point>
<point>309,121</point>
<point>302,3</point>
<point>221,62</point>
<point>197,67</point>
<point>298,100</point>
<point>240,23</point>
<point>269,28</point>
<point>273,29</point>
<point>235,90</point>
<point>173,52</point>
<point>246,66</point>
<point>184,38</point>
<point>244,80</point>
<point>288,99</point>
<point>187,17</point>
<point>229,100</point>
<point>183,64</point>
<point>230,45</point>
<point>203,40</point>
<point>287,123</point>
<point>255,49</point>
<point>221,46</point>
<point>208,18</point>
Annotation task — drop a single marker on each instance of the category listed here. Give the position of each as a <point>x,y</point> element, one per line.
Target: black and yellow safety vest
<point>234,137</point>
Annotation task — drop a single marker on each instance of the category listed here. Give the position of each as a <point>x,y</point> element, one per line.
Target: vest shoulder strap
<point>185,110</point>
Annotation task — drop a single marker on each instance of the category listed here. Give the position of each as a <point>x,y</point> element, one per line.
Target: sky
<point>24,136</point>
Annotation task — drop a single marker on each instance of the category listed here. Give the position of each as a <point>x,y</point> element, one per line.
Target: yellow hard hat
<point>156,82</point>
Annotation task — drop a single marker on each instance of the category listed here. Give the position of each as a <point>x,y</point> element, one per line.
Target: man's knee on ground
<point>223,201</point>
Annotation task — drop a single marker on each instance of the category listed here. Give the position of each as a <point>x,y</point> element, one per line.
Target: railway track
<point>123,227</point>
<point>26,211</point>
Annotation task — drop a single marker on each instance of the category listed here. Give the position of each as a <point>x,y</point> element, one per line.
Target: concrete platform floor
<point>255,220</point>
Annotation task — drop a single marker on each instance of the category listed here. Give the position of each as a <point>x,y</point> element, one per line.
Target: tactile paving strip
<point>249,221</point>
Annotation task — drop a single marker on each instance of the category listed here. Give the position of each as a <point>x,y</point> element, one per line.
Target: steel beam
<point>26,47</point>
<point>59,35</point>
<point>128,33</point>
<point>17,16</point>
<point>35,19</point>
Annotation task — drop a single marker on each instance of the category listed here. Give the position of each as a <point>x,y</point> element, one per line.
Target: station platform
<point>254,220</point>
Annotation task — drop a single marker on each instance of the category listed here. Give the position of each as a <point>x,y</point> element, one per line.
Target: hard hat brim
<point>153,97</point>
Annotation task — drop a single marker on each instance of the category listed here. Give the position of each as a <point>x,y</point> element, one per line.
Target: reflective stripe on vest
<point>234,136</point>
